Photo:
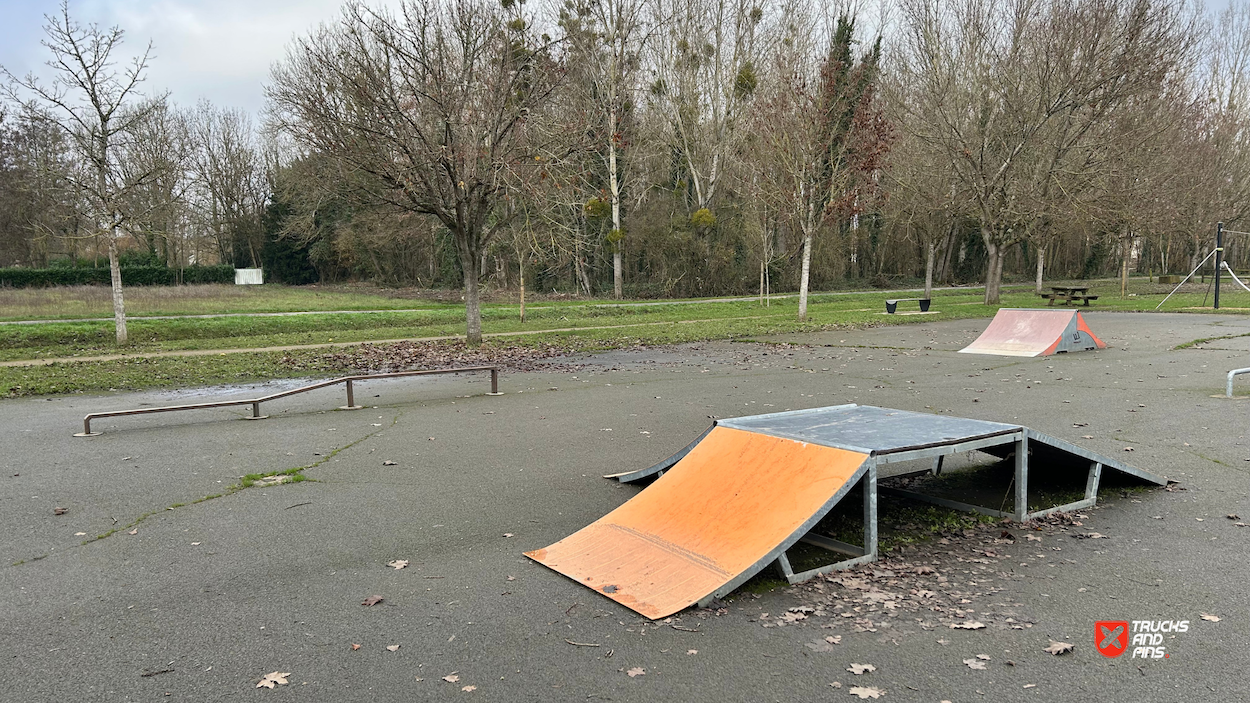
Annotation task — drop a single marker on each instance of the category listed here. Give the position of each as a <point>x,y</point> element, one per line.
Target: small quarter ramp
<point>750,488</point>
<point>1026,332</point>
<point>714,520</point>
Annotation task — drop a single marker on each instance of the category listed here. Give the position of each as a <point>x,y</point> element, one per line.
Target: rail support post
<point>255,413</point>
<point>494,382</point>
<point>86,427</point>
<point>351,398</point>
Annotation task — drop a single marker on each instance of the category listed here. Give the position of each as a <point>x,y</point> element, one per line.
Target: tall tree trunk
<point>618,274</point>
<point>807,267</point>
<point>521,266</point>
<point>472,304</point>
<point>993,267</point>
<point>115,272</point>
<point>928,272</point>
<point>1041,264</point>
<point>470,249</point>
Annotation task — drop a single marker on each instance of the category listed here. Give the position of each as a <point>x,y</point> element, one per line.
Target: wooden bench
<point>892,305</point>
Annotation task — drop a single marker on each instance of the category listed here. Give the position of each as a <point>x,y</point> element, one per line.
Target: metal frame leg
<point>1021,512</point>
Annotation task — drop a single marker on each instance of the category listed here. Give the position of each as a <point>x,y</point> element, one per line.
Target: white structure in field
<point>249,277</point>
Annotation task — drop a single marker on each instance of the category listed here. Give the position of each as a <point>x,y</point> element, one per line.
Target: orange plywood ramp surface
<point>1022,332</point>
<point>721,511</point>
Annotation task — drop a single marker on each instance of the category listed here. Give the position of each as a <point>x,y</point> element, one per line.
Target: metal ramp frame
<point>881,440</point>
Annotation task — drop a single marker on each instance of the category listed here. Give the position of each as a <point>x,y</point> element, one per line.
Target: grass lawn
<point>567,324</point>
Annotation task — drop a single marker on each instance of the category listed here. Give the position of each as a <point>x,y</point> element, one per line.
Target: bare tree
<point>1013,91</point>
<point>706,62</point>
<point>96,104</point>
<point>230,181</point>
<point>606,40</point>
<point>430,106</point>
<point>819,123</point>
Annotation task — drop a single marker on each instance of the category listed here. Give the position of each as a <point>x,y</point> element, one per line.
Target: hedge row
<point>131,276</point>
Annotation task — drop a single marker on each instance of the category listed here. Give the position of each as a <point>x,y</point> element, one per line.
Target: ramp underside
<point>723,510</point>
<point>1017,332</point>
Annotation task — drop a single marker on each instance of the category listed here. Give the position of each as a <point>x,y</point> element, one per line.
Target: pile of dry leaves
<point>404,356</point>
<point>957,582</point>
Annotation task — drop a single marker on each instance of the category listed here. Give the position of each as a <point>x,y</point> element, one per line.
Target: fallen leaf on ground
<point>451,678</point>
<point>1209,617</point>
<point>1128,449</point>
<point>355,646</point>
<point>133,532</point>
<point>974,625</point>
<point>836,684</point>
<point>975,664</point>
<point>1233,516</point>
<point>392,648</point>
<point>692,651</point>
<point>1057,648</point>
<point>636,671</point>
<point>507,534</point>
<point>866,692</point>
<point>60,511</point>
<point>276,677</point>
<point>372,600</point>
<point>397,564</point>
<point>469,689</point>
<point>983,657</point>
<point>1030,685</point>
<point>834,639</point>
<point>80,534</point>
<point>858,669</point>
<point>389,463</point>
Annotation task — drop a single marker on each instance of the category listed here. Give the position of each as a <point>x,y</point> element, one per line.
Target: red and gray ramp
<point>733,501</point>
<point>1026,332</point>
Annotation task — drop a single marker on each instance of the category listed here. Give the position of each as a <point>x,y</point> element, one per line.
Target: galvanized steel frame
<point>867,474</point>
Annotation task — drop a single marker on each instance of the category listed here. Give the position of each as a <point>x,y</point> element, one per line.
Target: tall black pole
<point>1219,258</point>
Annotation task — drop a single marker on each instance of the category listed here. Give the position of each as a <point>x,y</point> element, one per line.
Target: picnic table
<point>1068,294</point>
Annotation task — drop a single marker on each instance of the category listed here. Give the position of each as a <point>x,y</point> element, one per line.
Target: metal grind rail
<point>255,402</point>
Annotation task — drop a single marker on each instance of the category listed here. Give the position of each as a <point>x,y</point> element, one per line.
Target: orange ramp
<point>1025,332</point>
<point>733,504</point>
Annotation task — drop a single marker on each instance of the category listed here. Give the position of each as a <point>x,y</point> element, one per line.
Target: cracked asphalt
<point>207,597</point>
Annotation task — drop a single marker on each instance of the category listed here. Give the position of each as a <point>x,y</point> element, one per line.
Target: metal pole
<point>494,381</point>
<point>1219,256</point>
<point>351,402</point>
<point>256,411</point>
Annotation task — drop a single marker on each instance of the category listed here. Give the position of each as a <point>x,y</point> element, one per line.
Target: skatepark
<point>194,597</point>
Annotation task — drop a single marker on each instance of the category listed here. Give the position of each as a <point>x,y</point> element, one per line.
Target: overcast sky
<point>215,49</point>
<point>219,49</point>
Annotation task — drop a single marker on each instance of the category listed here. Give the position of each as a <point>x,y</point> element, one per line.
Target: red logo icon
<point>1111,637</point>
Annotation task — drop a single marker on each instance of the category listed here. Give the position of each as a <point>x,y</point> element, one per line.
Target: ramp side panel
<point>1022,332</point>
<point>726,505</point>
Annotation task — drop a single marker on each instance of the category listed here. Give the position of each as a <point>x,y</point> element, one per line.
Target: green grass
<point>71,302</point>
<point>572,325</point>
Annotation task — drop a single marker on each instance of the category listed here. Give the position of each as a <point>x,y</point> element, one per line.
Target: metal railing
<point>255,402</point>
<point>1235,372</point>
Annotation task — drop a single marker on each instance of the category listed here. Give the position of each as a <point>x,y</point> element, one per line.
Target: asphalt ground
<point>206,598</point>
